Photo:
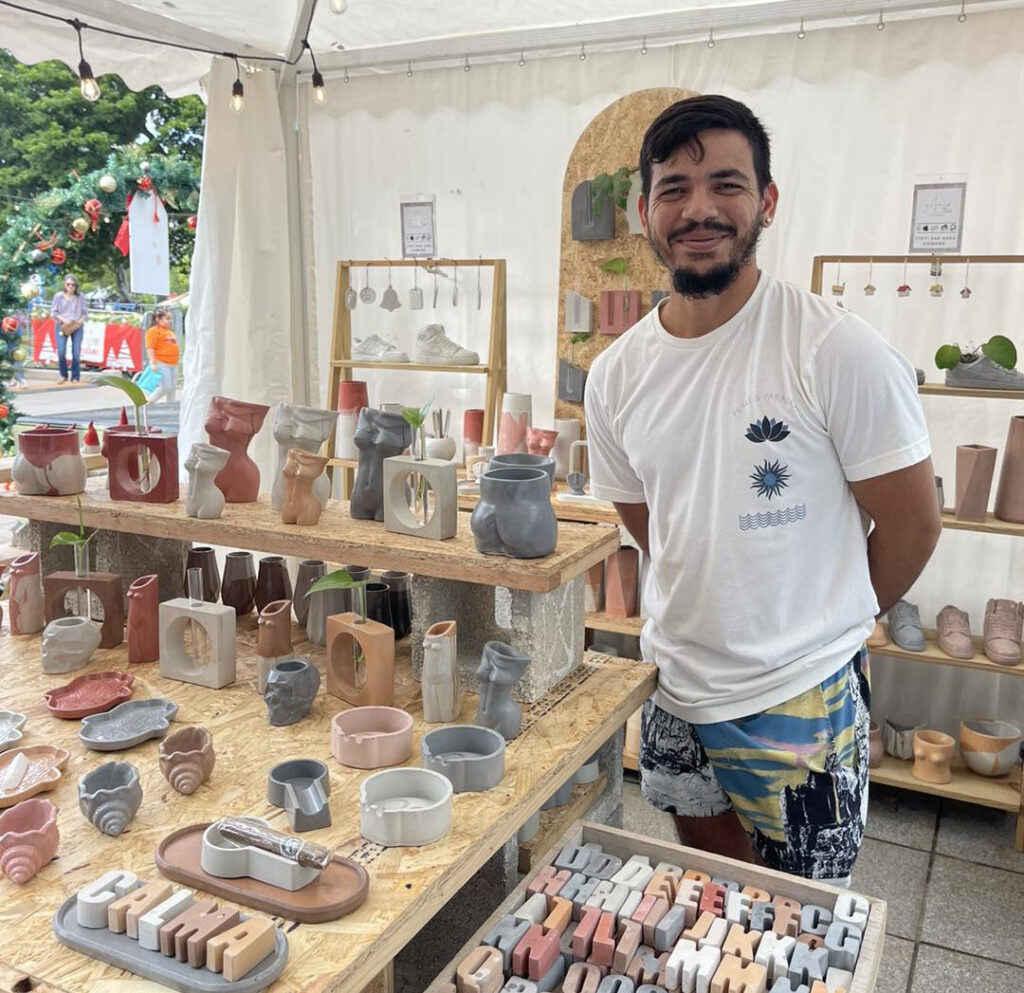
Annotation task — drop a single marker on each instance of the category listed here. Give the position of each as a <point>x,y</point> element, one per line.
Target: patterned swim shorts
<point>796,775</point>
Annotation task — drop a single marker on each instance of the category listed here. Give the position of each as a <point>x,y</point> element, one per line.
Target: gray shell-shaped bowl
<point>110,795</point>
<point>470,757</point>
<point>128,724</point>
<point>11,723</point>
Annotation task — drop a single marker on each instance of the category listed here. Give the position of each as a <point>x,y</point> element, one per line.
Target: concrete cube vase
<point>305,429</point>
<point>231,425</point>
<point>68,644</point>
<point>514,516</point>
<point>440,674</point>
<point>378,436</point>
<point>302,504</point>
<point>203,499</point>
<point>110,795</point>
<point>975,465</point>
<point>141,467</point>
<point>360,661</point>
<point>25,595</point>
<point>143,619</point>
<point>210,659</point>
<point>1010,494</point>
<point>292,686</point>
<point>433,485</point>
<point>28,839</point>
<point>501,666</point>
<point>187,759</point>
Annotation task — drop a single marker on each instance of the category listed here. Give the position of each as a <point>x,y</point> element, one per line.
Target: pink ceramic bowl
<point>371,737</point>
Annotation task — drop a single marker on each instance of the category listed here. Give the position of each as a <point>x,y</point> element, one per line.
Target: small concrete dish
<point>470,757</point>
<point>990,747</point>
<point>230,859</point>
<point>11,723</point>
<point>29,770</point>
<point>405,807</point>
<point>110,796</point>
<point>301,787</point>
<point>187,759</point>
<point>128,724</point>
<point>93,693</point>
<point>28,839</point>
<point>371,737</point>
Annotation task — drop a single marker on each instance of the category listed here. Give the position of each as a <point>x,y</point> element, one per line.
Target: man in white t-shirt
<point>749,433</point>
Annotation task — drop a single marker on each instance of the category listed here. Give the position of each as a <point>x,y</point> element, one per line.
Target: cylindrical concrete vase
<point>568,429</point>
<point>352,397</point>
<point>1010,494</point>
<point>974,467</point>
<point>516,417</point>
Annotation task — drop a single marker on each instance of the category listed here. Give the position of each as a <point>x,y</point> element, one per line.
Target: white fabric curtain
<point>238,340</point>
<point>857,117</point>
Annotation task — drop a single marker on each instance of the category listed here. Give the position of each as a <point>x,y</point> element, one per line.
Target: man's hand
<point>905,510</point>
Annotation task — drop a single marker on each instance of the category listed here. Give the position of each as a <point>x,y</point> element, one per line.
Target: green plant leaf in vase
<point>337,580</point>
<point>580,337</point>
<point>616,266</point>
<point>947,357</point>
<point>133,390</point>
<point>1000,350</point>
<point>63,539</point>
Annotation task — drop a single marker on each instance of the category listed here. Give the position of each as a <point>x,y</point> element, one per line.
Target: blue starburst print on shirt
<point>767,429</point>
<point>769,478</point>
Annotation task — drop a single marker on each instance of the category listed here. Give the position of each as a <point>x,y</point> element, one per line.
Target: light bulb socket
<point>318,79</point>
<point>88,86</point>
<point>237,89</point>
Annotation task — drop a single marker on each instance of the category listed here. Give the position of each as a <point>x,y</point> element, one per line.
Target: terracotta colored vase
<point>620,583</point>
<point>990,747</point>
<point>472,432</point>
<point>540,441</point>
<point>187,758</point>
<point>231,424</point>
<point>933,751</point>
<point>25,592</point>
<point>876,747</point>
<point>49,463</point>
<point>352,398</point>
<point>1010,495</point>
<point>142,468</point>
<point>202,499</point>
<point>378,436</point>
<point>366,682</point>
<point>28,838</point>
<point>516,417</point>
<point>238,589</point>
<point>974,467</point>
<point>305,429</point>
<point>107,587</point>
<point>143,619</point>
<point>274,641</point>
<point>301,505</point>
<point>272,581</point>
<point>204,558</point>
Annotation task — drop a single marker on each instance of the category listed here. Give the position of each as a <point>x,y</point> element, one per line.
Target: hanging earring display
<point>839,287</point>
<point>415,294</point>
<point>351,297</point>
<point>966,291</point>
<point>435,288</point>
<point>903,289</point>
<point>455,288</point>
<point>367,294</point>
<point>869,286</point>
<point>479,291</point>
<point>389,301</point>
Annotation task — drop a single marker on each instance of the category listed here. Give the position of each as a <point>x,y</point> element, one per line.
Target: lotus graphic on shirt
<point>769,478</point>
<point>767,429</point>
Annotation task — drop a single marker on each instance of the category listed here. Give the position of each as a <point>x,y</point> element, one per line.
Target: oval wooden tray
<point>93,693</point>
<point>337,891</point>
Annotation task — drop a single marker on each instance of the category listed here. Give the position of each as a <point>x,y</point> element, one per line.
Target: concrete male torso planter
<point>143,620</point>
<point>371,737</point>
<point>25,595</point>
<point>440,675</point>
<point>28,839</point>
<point>292,686</point>
<point>301,504</point>
<point>231,424</point>
<point>399,807</point>
<point>514,516</point>
<point>471,758</point>
<point>501,667</point>
<point>305,429</point>
<point>203,499</point>
<point>378,436</point>
<point>68,644</point>
<point>49,463</point>
<point>110,795</point>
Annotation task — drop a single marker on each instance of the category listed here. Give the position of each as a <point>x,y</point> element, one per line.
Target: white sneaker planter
<point>110,795</point>
<point>229,859</point>
<point>439,678</point>
<point>68,644</point>
<point>471,758</point>
<point>371,737</point>
<point>405,807</point>
<point>442,479</point>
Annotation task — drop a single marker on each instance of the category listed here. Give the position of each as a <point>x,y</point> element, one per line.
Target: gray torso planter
<point>378,436</point>
<point>471,758</point>
<point>304,428</point>
<point>514,516</point>
<point>203,499</point>
<point>405,807</point>
<point>292,686</point>
<point>68,643</point>
<point>110,795</point>
<point>128,724</point>
<point>231,859</point>
<point>301,787</point>
<point>525,460</point>
<point>371,737</point>
<point>500,668</point>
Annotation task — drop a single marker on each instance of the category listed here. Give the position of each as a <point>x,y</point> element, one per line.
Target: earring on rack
<point>935,271</point>
<point>839,287</point>
<point>367,294</point>
<point>966,291</point>
<point>455,288</point>
<point>479,292</point>
<point>903,289</point>
<point>869,287</point>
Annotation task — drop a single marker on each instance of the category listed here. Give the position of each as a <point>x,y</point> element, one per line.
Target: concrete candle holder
<point>371,737</point>
<point>68,644</point>
<point>440,477</point>
<point>990,747</point>
<point>109,796</point>
<point>214,667</point>
<point>471,758</point>
<point>93,693</point>
<point>231,859</point>
<point>11,723</point>
<point>405,807</point>
<point>28,839</point>
<point>292,686</point>
<point>143,626</point>
<point>26,771</point>
<point>301,787</point>
<point>25,595</point>
<point>187,758</point>
<point>127,725</point>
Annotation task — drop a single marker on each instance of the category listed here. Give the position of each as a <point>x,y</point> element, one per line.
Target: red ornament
<point>10,324</point>
<point>92,438</point>
<point>192,221</point>
<point>45,244</point>
<point>123,423</point>
<point>76,235</point>
<point>4,411</point>
<point>145,183</point>
<point>92,210</point>
<point>58,256</point>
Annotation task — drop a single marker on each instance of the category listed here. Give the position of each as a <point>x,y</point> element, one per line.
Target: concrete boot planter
<point>440,674</point>
<point>371,737</point>
<point>110,795</point>
<point>933,751</point>
<point>301,787</point>
<point>230,859</point>
<point>471,758</point>
<point>49,463</point>
<point>378,436</point>
<point>68,644</point>
<point>28,839</point>
<point>203,499</point>
<point>274,640</point>
<point>990,747</point>
<point>292,686</point>
<point>305,429</point>
<point>231,424</point>
<point>301,504</point>
<point>187,759</point>
<point>405,807</point>
<point>514,516</point>
<point>25,595</point>
<point>143,619</point>
<point>501,667</point>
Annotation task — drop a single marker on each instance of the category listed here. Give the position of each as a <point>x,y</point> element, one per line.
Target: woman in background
<point>162,349</point>
<point>69,311</point>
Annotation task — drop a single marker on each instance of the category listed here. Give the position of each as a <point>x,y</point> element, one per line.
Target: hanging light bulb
<point>319,90</point>
<point>801,34</point>
<point>522,59</point>
<point>339,6</point>
<point>466,66</point>
<point>583,53</point>
<point>87,84</point>
<point>643,47</point>
<point>237,91</point>
<point>408,69</point>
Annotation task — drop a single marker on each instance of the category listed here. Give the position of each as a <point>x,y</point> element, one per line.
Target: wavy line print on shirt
<point>767,429</point>
<point>773,519</point>
<point>770,478</point>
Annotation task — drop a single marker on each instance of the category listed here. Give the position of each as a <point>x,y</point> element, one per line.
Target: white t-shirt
<point>741,443</point>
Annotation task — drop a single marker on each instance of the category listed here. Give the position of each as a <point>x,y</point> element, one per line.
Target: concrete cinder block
<point>134,555</point>
<point>546,626</point>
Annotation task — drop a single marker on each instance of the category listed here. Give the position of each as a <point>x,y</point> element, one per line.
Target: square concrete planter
<point>214,669</point>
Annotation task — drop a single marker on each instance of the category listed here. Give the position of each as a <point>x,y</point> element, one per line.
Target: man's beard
<point>699,285</point>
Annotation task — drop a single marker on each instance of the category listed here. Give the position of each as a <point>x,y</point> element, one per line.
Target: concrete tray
<point>128,724</point>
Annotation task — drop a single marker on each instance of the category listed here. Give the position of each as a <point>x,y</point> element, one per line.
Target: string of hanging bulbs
<point>90,88</point>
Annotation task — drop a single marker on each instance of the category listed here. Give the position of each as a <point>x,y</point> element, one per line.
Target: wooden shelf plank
<point>617,625</point>
<point>335,538</point>
<point>408,366</point>
<point>1002,792</point>
<point>581,513</point>
<point>991,525</point>
<point>941,390</point>
<point>936,655</point>
<point>554,823</point>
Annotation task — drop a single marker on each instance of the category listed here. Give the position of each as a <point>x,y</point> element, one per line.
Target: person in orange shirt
<point>162,349</point>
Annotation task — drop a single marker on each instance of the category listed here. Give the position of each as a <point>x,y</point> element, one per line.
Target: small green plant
<point>417,417</point>
<point>998,348</point>
<point>132,390</point>
<point>616,266</point>
<point>62,539</point>
<point>614,186</point>
<point>580,337</point>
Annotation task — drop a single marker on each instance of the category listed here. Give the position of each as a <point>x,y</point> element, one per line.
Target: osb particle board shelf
<point>336,538</point>
<point>991,525</point>
<point>554,823</point>
<point>1001,792</point>
<point>936,655</point>
<point>407,886</point>
<point>408,366</point>
<point>940,390</point>
<point>617,625</point>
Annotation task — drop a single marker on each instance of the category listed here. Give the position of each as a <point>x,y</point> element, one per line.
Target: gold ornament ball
<point>29,291</point>
<point>108,184</point>
<point>19,354</point>
<point>80,224</point>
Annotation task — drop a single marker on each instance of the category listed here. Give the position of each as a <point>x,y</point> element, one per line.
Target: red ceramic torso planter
<point>141,467</point>
<point>49,463</point>
<point>92,693</point>
<point>231,424</point>
<point>25,595</point>
<point>143,619</point>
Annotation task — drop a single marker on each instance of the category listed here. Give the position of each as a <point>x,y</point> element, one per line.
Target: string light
<point>344,78</point>
<point>522,59</point>
<point>711,37</point>
<point>237,91</point>
<point>962,16</point>
<point>643,47</point>
<point>466,66</point>
<point>319,89</point>
<point>408,69</point>
<point>339,6</point>
<point>87,84</point>
<point>583,53</point>
<point>801,34</point>
<point>880,26</point>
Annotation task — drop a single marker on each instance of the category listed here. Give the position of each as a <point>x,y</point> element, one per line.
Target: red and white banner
<point>108,346</point>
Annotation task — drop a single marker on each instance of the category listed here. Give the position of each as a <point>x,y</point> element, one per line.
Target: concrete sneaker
<point>954,633</point>
<point>878,638</point>
<point>984,374</point>
<point>377,349</point>
<point>434,347</point>
<point>905,626</point>
<point>1003,622</point>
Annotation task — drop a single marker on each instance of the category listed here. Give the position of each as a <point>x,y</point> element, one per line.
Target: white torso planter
<point>203,499</point>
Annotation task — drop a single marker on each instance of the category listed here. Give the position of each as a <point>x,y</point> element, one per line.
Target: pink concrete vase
<point>516,417</point>
<point>352,398</point>
<point>974,467</point>
<point>141,467</point>
<point>231,425</point>
<point>49,463</point>
<point>25,591</point>
<point>28,839</point>
<point>1010,495</point>
<point>143,626</point>
<point>540,441</point>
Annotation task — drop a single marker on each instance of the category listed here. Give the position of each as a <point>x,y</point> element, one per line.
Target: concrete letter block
<point>773,952</point>
<point>712,899</point>
<point>814,919</point>
<point>505,935</point>
<point>582,977</point>
<point>838,980</point>
<point>575,857</point>
<point>480,971</point>
<point>688,897</point>
<point>549,880</point>
<point>757,894</point>
<point>536,953</point>
<point>632,902</point>
<point>151,922</point>
<point>843,944</point>
<point>653,919</point>
<point>787,916</point>
<point>732,976</point>
<point>583,936</point>
<point>851,908</point>
<point>602,949</point>
<point>669,928</point>
<point>762,916</point>
<point>807,964</point>
<point>93,900</point>
<point>782,985</point>
<point>690,968</point>
<point>741,944</point>
<point>629,938</point>
<point>737,908</point>
<point>603,866</point>
<point>663,883</point>
<point>552,979</point>
<point>534,909</point>
<point>636,873</point>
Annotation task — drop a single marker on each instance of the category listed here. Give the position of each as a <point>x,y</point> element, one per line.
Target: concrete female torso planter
<point>371,737</point>
<point>28,839</point>
<point>143,620</point>
<point>933,751</point>
<point>501,667</point>
<point>187,759</point>
<point>405,807</point>
<point>292,686</point>
<point>990,747</point>
<point>471,758</point>
<point>110,795</point>
<point>378,436</point>
<point>203,499</point>
<point>514,516</point>
<point>528,460</point>
<point>25,595</point>
<point>440,675</point>
<point>274,640</point>
<point>68,644</point>
<point>305,429</point>
<point>301,505</point>
<point>231,424</point>
<point>49,463</point>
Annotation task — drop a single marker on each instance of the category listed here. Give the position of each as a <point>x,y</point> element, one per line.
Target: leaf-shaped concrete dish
<point>10,729</point>
<point>24,772</point>
<point>128,724</point>
<point>92,693</point>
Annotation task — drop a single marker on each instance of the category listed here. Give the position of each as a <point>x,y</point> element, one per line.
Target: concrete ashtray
<point>471,758</point>
<point>399,807</point>
<point>371,737</point>
<point>301,787</point>
<point>230,859</point>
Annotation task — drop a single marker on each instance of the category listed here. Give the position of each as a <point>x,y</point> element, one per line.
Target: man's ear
<point>641,206</point>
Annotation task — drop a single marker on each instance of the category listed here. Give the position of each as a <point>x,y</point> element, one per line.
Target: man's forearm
<point>896,557</point>
<point>635,517</point>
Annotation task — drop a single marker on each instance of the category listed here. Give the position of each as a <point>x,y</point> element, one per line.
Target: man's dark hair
<point>679,126</point>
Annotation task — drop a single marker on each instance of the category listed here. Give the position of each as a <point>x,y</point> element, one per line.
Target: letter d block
<point>536,953</point>
<point>636,873</point>
<point>480,972</point>
<point>733,976</point>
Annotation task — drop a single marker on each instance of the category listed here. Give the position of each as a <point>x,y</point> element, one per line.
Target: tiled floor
<point>953,883</point>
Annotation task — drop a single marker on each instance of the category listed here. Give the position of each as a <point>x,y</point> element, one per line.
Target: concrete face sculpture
<point>68,644</point>
<point>292,685</point>
<point>302,471</point>
<point>501,667</point>
<point>203,499</point>
<point>49,463</point>
<point>305,429</point>
<point>231,424</point>
<point>143,625</point>
<point>378,436</point>
<point>440,675</point>
<point>514,516</point>
<point>25,604</point>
